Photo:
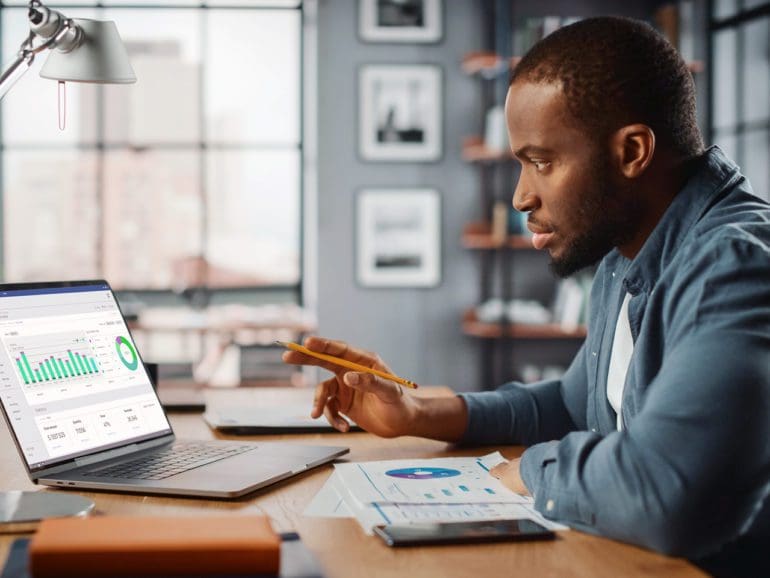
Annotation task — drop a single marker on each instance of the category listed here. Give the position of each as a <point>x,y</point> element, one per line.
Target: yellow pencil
<point>346,363</point>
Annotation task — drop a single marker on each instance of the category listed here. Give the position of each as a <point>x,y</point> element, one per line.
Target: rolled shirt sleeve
<point>527,414</point>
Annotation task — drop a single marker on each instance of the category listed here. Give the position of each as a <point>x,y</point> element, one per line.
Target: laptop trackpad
<point>252,465</point>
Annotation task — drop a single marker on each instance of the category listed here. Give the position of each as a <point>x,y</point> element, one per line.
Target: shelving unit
<point>473,327</point>
<point>478,235</point>
<point>496,250</point>
<point>475,151</point>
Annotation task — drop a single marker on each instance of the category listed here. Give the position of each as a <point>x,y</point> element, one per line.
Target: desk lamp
<point>82,50</point>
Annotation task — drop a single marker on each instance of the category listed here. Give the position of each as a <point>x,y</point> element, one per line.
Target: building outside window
<point>191,176</point>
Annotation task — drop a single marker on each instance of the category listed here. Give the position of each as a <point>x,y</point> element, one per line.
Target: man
<point>658,432</point>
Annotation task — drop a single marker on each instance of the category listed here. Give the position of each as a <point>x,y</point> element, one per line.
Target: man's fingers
<point>387,390</point>
<point>332,413</point>
<point>341,349</point>
<point>499,470</point>
<point>323,391</point>
<point>297,358</point>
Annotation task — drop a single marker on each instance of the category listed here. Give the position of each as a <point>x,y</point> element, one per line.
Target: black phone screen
<point>463,532</point>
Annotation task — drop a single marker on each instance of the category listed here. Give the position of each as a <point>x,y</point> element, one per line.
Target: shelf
<point>696,66</point>
<point>474,151</point>
<point>488,64</point>
<point>479,236</point>
<point>475,328</point>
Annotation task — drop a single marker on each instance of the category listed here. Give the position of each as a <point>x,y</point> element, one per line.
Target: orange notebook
<point>152,546</point>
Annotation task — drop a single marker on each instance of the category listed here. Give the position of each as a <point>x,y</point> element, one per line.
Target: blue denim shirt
<point>691,470</point>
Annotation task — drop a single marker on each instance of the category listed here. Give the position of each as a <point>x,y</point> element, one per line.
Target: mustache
<point>540,224</point>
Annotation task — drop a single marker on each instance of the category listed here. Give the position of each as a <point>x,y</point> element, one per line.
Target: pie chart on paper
<point>422,473</point>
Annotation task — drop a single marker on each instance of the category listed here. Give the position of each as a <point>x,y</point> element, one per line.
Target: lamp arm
<point>17,68</point>
<point>66,36</point>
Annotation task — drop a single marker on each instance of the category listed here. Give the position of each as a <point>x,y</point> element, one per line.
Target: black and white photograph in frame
<point>400,110</point>
<point>398,238</point>
<point>400,20</point>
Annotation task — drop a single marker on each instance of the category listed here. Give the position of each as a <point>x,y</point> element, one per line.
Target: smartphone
<point>463,532</point>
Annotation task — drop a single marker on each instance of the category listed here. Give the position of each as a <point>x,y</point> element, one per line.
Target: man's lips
<point>540,235</point>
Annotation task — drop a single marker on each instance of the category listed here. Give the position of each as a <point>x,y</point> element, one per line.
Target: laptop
<point>285,419</point>
<point>80,405</point>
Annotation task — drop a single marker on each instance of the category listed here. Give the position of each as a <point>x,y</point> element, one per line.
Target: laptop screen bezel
<point>59,463</point>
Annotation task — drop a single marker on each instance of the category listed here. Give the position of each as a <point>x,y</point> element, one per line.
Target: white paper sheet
<point>426,481</point>
<point>335,499</point>
<point>328,503</point>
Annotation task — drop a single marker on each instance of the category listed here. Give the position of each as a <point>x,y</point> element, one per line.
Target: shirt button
<point>593,353</point>
<point>613,273</point>
<point>550,505</point>
<point>593,429</point>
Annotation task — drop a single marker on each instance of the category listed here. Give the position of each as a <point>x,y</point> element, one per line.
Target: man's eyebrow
<point>531,150</point>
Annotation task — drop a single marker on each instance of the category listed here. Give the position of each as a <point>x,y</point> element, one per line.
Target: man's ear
<point>633,147</point>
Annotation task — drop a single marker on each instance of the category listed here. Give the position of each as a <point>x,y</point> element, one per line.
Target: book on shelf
<point>499,222</point>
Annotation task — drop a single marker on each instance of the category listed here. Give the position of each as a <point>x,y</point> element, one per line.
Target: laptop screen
<point>71,379</point>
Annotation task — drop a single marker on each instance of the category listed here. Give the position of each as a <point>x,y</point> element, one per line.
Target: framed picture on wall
<point>400,113</point>
<point>400,20</point>
<point>398,238</point>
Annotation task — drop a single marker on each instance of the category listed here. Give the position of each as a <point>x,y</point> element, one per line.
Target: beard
<point>606,216</point>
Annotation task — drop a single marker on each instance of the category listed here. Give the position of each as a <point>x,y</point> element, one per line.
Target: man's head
<point>589,109</point>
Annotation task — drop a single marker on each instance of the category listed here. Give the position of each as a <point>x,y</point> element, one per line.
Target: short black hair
<point>616,71</point>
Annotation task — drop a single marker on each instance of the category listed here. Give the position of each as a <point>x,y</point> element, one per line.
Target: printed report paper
<point>426,481</point>
<point>335,499</point>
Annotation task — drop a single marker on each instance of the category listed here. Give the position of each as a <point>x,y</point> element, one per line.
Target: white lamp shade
<point>101,57</point>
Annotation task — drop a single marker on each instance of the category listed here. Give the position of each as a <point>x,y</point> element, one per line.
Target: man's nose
<point>524,198</point>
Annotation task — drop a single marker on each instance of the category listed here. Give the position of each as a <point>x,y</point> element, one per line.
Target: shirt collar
<point>713,173</point>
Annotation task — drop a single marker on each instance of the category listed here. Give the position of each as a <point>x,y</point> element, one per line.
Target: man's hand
<point>378,405</point>
<point>508,474</point>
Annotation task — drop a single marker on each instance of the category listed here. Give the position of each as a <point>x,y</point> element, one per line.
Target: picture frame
<point>398,237</point>
<point>412,21</point>
<point>400,113</point>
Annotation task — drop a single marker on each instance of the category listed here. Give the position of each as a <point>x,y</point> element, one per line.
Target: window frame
<point>735,22</point>
<point>289,292</point>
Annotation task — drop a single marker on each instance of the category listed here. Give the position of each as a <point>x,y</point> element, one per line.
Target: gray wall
<point>417,331</point>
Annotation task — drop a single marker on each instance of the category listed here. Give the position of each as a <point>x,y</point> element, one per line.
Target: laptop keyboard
<point>168,462</point>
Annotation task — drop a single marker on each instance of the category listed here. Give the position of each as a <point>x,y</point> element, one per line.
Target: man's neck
<point>662,183</point>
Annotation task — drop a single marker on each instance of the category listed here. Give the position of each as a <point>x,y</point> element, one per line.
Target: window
<point>739,33</point>
<point>190,176</point>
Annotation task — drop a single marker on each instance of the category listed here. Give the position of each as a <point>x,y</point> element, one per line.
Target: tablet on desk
<point>268,420</point>
<point>463,532</point>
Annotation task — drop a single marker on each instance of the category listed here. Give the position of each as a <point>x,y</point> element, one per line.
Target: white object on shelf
<point>525,311</point>
<point>495,130</point>
<point>529,312</point>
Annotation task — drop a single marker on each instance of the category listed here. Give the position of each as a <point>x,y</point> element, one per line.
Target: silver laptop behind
<point>83,413</point>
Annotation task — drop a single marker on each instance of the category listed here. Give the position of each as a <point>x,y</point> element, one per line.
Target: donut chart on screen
<point>127,353</point>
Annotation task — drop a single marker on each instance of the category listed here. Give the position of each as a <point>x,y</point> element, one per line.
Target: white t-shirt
<point>620,358</point>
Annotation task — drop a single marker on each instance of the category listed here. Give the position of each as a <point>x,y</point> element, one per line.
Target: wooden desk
<point>340,545</point>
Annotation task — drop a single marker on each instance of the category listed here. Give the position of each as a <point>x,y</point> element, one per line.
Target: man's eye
<point>541,165</point>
